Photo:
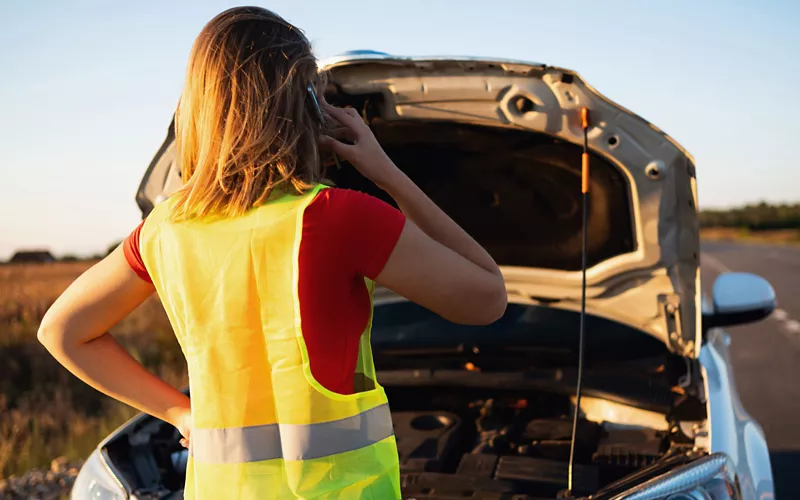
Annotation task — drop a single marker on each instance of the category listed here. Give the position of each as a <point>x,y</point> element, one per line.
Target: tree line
<point>44,255</point>
<point>757,217</point>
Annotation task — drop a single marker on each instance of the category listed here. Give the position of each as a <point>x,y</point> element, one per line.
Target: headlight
<point>709,478</point>
<point>95,481</point>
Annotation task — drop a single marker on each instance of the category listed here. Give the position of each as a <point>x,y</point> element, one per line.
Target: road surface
<point>766,355</point>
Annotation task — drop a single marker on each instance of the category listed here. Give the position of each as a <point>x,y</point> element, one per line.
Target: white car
<point>485,412</point>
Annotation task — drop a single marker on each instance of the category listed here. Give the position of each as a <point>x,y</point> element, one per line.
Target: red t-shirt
<point>346,235</point>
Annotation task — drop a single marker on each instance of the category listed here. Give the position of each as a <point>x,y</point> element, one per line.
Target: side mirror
<point>739,298</point>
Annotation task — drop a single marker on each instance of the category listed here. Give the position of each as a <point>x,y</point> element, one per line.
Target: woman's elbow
<point>45,335</point>
<point>495,303</point>
<point>487,305</point>
<point>50,336</point>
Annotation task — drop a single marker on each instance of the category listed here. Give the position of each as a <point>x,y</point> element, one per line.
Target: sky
<point>87,88</point>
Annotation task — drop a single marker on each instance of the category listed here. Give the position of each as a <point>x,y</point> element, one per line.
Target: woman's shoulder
<point>355,229</point>
<point>340,208</point>
<point>340,200</point>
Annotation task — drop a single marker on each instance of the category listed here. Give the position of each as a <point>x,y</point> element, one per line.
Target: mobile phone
<point>313,95</point>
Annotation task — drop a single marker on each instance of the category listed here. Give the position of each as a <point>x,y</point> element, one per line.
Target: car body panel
<point>730,429</point>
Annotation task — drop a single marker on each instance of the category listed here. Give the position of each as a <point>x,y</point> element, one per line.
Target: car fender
<point>731,429</point>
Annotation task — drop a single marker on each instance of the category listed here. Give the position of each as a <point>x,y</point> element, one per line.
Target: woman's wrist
<point>176,415</point>
<point>391,177</point>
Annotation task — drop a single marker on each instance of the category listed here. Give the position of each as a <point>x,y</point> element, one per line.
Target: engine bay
<point>514,444</point>
<point>457,443</point>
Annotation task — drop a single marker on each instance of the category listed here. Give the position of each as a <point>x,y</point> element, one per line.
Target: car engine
<point>484,444</point>
<point>515,445</point>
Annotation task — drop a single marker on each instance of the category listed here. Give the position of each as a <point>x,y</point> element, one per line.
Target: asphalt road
<point>766,355</point>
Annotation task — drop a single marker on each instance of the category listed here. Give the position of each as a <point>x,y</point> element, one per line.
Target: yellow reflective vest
<point>263,427</point>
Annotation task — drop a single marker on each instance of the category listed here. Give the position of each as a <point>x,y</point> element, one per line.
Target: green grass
<point>46,412</point>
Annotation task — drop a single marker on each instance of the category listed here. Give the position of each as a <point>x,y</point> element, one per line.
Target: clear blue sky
<point>87,89</point>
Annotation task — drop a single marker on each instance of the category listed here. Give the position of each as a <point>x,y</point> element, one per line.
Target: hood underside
<point>497,145</point>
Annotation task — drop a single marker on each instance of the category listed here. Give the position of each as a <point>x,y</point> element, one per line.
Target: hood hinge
<point>670,304</point>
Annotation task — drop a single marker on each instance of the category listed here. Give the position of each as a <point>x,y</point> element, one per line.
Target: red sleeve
<point>130,248</point>
<point>365,228</point>
<point>346,235</point>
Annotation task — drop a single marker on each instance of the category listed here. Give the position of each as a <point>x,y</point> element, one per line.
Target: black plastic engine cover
<point>424,439</point>
<point>561,428</point>
<point>552,473</point>
<point>550,438</point>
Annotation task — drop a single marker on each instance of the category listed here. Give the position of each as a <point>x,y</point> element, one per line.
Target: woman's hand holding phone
<point>361,148</point>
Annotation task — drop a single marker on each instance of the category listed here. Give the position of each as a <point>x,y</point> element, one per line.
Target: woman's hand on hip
<point>365,153</point>
<point>182,420</point>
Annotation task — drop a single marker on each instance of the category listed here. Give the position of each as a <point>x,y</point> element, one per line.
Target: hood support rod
<point>582,332</point>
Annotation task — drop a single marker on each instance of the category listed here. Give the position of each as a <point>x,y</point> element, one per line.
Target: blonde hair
<point>245,125</point>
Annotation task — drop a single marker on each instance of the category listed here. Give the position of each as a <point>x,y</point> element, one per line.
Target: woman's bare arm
<point>435,262</point>
<point>74,330</point>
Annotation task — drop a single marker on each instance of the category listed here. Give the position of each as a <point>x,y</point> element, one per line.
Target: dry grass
<point>772,236</point>
<point>45,411</point>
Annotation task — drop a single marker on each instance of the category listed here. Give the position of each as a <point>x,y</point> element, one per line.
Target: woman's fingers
<point>330,121</point>
<point>342,133</point>
<point>352,112</point>
<point>337,126</point>
<point>334,112</point>
<point>353,141</point>
<point>346,130</point>
<point>345,116</point>
<point>335,146</point>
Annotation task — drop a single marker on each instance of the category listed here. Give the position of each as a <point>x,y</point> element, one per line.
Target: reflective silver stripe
<point>236,445</point>
<point>304,442</point>
<point>291,441</point>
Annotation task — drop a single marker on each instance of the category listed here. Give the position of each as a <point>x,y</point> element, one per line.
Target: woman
<point>266,276</point>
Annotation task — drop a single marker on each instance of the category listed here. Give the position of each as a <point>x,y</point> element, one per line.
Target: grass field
<point>45,412</point>
<point>771,236</point>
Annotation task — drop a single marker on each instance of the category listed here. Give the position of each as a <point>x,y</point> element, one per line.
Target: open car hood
<point>497,145</point>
